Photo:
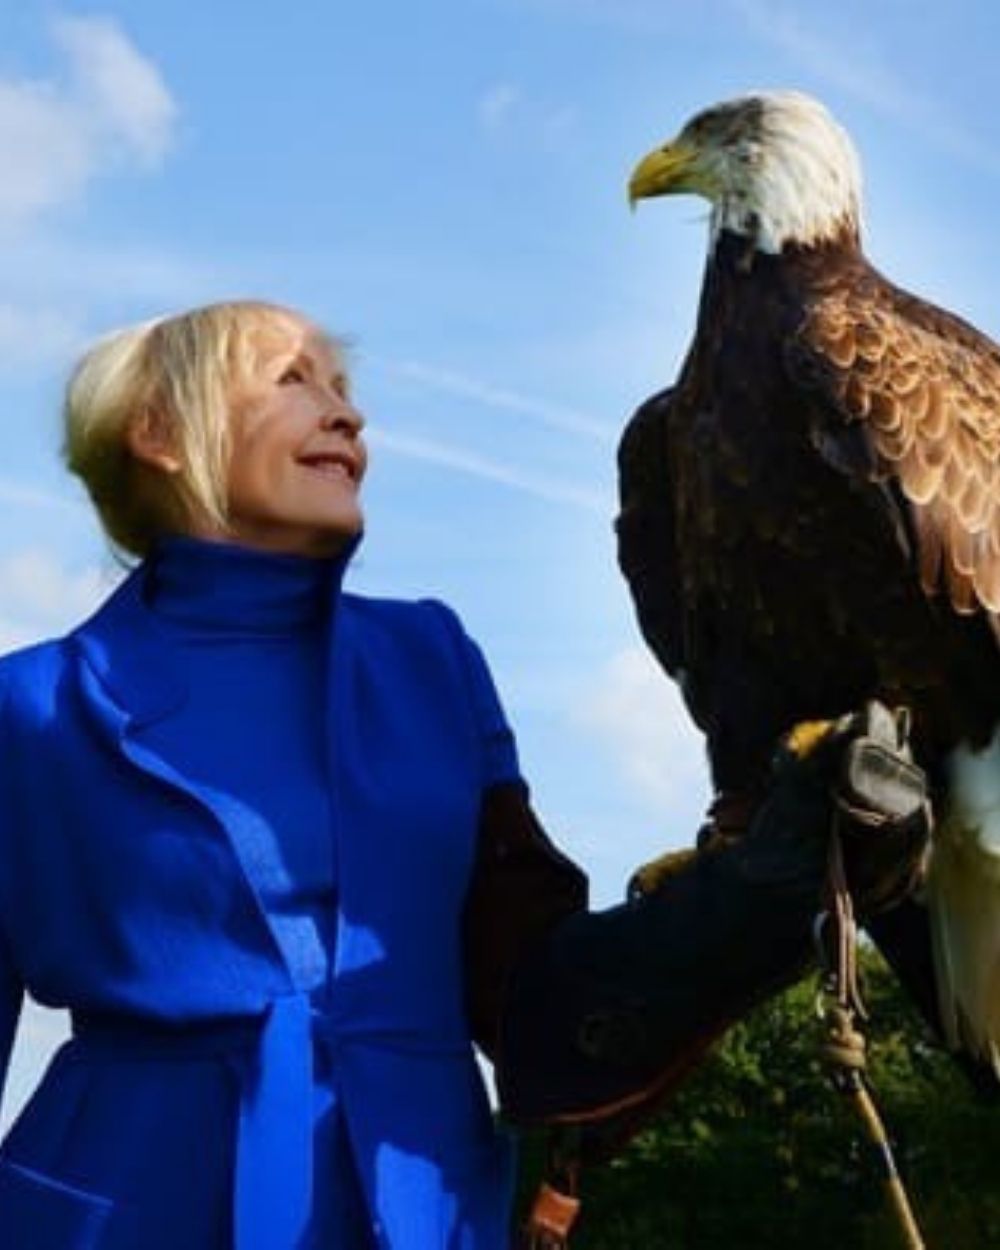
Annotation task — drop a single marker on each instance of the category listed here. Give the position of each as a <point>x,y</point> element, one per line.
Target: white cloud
<point>126,89</point>
<point>638,714</point>
<point>57,134</point>
<point>45,149</point>
<point>40,597</point>
<point>104,106</point>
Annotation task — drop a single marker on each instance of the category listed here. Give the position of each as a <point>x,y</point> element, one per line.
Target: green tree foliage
<point>758,1150</point>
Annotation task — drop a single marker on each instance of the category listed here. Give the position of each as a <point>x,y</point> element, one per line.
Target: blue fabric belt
<point>274,1054</point>
<point>272,1202</point>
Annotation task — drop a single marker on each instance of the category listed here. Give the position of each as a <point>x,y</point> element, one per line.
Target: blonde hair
<point>179,371</point>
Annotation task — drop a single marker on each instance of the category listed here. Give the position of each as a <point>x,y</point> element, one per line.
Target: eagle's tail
<point>963,895</point>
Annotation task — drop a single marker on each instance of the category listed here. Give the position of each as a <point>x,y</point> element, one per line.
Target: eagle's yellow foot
<point>649,878</point>
<point>805,737</point>
<point>728,816</point>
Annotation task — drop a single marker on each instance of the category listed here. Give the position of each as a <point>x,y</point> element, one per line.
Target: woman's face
<point>297,457</point>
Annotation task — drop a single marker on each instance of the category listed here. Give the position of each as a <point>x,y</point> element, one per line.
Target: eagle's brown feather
<point>811,516</point>
<point>928,387</point>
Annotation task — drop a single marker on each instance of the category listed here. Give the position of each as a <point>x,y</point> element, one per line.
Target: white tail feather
<point>963,896</point>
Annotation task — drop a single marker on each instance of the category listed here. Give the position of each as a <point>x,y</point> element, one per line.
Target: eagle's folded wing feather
<point>646,533</point>
<point>925,388</point>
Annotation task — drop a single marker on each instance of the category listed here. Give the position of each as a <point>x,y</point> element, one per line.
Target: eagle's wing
<point>924,387</point>
<point>647,552</point>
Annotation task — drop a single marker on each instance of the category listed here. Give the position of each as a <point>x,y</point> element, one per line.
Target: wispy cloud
<point>17,493</point>
<point>110,105</point>
<point>505,109</point>
<point>448,382</point>
<point>638,714</point>
<point>124,89</point>
<point>862,72</point>
<point>462,461</point>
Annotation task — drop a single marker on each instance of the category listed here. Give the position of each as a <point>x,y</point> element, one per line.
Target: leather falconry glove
<point>609,1011</point>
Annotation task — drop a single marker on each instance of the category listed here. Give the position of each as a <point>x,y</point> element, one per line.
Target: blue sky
<point>445,183</point>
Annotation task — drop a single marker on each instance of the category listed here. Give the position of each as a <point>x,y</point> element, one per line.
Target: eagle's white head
<point>775,166</point>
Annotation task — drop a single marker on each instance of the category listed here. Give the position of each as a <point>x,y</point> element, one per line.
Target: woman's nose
<point>340,414</point>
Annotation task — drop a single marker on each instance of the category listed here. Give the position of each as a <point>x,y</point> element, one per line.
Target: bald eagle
<point>810,516</point>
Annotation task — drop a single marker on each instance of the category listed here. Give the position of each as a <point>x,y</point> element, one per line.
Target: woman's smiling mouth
<point>332,464</point>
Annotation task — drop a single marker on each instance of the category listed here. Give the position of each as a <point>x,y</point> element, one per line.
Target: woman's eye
<point>291,375</point>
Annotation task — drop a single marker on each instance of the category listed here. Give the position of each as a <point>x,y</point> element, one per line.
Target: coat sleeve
<point>522,886</point>
<point>499,749</point>
<point>521,883</point>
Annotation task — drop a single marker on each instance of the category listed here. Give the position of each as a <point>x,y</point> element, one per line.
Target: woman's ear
<point>149,438</point>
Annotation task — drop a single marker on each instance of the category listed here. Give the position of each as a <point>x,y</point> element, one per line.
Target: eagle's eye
<point>746,153</point>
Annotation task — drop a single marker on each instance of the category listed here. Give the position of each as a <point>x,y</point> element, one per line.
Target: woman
<point>240,814</point>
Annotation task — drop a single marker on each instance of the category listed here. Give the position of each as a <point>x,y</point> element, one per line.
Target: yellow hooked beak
<point>670,170</point>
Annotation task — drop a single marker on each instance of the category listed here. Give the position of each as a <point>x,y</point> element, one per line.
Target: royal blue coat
<point>178,1115</point>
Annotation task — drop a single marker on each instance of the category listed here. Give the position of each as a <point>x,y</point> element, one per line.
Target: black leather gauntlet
<point>521,886</point>
<point>612,1009</point>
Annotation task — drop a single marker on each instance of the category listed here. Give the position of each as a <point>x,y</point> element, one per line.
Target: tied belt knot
<point>274,1054</point>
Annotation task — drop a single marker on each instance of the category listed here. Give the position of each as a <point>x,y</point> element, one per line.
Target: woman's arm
<point>522,885</point>
<point>612,1009</point>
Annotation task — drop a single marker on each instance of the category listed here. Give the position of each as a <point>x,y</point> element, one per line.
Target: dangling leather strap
<point>840,1008</point>
<point>556,1205</point>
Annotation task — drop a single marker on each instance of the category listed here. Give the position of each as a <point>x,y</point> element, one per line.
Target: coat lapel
<point>132,656</point>
<point>136,678</point>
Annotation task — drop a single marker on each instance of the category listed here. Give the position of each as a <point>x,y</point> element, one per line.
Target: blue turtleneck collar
<point>213,586</point>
